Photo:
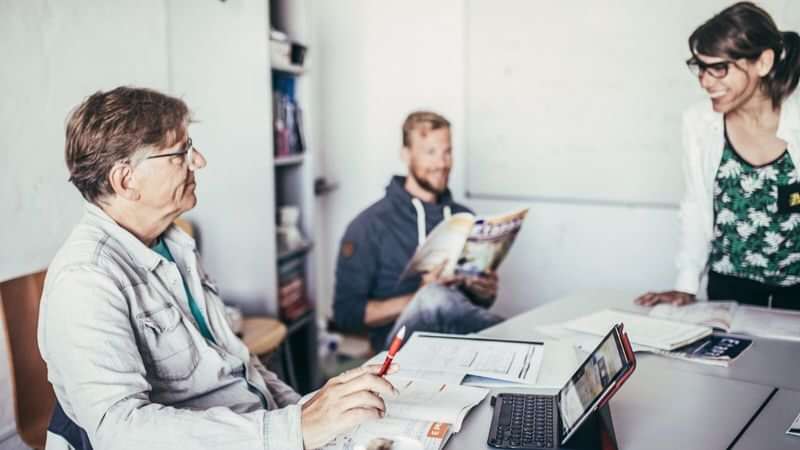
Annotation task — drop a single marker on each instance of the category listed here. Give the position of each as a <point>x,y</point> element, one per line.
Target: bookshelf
<point>292,154</point>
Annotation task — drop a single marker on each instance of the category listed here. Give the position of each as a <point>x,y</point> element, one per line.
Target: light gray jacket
<point>128,363</point>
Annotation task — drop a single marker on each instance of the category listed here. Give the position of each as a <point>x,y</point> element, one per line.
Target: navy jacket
<point>375,249</point>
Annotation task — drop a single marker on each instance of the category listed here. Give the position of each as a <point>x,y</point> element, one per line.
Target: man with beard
<point>379,242</point>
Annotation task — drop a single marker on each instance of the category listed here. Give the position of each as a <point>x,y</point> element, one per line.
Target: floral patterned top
<point>752,239</point>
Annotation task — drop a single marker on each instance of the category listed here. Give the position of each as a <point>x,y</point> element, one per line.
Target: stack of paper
<point>422,416</point>
<point>643,330</point>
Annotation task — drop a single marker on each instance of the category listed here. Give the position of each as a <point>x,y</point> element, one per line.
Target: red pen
<point>398,339</point>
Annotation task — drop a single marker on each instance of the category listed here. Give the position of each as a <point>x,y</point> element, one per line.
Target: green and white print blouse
<point>752,239</point>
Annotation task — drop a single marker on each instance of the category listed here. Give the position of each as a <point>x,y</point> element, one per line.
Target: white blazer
<point>703,143</point>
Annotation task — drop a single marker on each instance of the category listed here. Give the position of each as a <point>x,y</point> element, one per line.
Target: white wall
<point>375,62</point>
<point>52,59</point>
<point>219,66</point>
<point>212,53</point>
<point>54,54</point>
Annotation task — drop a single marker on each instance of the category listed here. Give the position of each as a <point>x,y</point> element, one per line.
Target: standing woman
<point>740,216</point>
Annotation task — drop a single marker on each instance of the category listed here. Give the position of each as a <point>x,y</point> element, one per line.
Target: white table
<point>669,403</point>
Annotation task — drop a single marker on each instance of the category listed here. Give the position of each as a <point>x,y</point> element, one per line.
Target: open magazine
<point>716,350</point>
<point>422,416</point>
<point>734,318</point>
<point>469,244</point>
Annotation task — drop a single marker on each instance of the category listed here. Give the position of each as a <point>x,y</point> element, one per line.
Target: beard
<point>426,185</point>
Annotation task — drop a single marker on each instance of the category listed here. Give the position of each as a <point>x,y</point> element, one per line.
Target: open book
<point>422,416</point>
<point>716,350</point>
<point>647,331</point>
<point>734,318</point>
<point>469,244</point>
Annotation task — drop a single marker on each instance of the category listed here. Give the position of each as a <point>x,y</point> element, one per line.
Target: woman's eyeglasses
<point>717,69</point>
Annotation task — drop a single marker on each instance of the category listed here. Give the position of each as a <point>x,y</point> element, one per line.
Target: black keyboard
<point>523,421</point>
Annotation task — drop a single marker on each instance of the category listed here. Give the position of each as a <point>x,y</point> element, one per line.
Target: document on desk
<point>461,355</point>
<point>794,428</point>
<point>643,330</point>
<point>423,415</point>
<point>421,399</point>
<point>731,317</point>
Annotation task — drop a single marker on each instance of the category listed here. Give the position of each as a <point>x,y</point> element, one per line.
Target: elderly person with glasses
<point>134,335</point>
<point>741,212</point>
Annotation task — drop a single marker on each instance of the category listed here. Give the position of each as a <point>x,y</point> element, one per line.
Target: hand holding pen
<point>345,401</point>
<point>393,348</point>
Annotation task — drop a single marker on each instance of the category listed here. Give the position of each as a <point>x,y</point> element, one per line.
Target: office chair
<point>33,396</point>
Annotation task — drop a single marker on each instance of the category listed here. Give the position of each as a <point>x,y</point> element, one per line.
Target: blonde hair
<point>423,121</point>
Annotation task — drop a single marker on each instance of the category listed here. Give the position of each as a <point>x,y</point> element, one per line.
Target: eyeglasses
<point>188,152</point>
<point>717,70</point>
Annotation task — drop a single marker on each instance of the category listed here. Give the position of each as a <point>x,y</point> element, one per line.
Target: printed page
<point>488,242</point>
<point>642,330</point>
<point>394,434</point>
<point>767,322</point>
<point>444,243</point>
<point>517,362</point>
<point>558,364</point>
<point>714,314</point>
<point>436,402</point>
<point>585,342</point>
<point>435,376</point>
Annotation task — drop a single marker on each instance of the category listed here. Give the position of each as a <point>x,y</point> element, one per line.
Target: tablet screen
<point>604,365</point>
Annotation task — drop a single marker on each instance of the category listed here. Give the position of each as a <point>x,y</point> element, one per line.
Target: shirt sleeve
<point>356,267</point>
<point>694,245</point>
<point>93,358</point>
<point>283,394</point>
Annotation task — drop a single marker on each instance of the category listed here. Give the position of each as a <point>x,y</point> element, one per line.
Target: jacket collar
<point>788,123</point>
<point>142,255</point>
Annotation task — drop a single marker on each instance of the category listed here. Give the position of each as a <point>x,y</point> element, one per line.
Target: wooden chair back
<point>33,395</point>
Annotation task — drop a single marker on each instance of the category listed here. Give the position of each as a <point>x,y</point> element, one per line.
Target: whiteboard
<point>581,100</point>
<point>54,54</point>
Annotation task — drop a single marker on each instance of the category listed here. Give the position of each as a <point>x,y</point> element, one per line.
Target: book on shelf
<point>732,317</point>
<point>293,301</point>
<point>470,245</point>
<point>657,333</point>
<point>288,132</point>
<point>423,415</point>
